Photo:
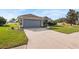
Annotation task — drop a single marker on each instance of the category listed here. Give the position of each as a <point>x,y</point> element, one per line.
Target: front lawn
<point>11,38</point>
<point>66,29</point>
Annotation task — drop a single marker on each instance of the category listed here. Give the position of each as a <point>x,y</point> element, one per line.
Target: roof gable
<point>30,16</point>
<point>33,17</point>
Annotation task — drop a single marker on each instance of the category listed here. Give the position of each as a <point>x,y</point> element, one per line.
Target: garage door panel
<point>31,23</point>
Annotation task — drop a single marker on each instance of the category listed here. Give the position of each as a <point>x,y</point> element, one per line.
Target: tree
<point>77,17</point>
<point>45,23</point>
<point>13,20</point>
<point>60,20</point>
<point>2,21</point>
<point>71,16</point>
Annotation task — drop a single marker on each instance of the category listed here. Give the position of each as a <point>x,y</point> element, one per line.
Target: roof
<point>30,16</point>
<point>33,17</point>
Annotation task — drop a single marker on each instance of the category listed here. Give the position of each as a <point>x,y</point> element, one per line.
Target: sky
<point>51,13</point>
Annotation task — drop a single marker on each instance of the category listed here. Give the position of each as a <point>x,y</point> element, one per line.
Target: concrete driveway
<point>42,38</point>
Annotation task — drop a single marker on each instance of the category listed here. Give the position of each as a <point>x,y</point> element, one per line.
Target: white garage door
<point>31,23</point>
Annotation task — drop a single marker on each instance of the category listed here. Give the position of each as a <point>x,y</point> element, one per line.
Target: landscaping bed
<point>10,38</point>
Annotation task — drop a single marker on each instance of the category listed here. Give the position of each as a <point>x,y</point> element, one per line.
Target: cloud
<point>51,13</point>
<point>11,13</point>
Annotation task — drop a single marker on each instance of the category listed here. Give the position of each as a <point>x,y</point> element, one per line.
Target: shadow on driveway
<point>36,29</point>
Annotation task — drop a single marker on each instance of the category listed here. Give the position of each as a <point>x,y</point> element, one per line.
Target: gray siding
<point>31,23</point>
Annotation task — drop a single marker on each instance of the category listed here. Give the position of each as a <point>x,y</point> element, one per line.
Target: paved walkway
<point>41,38</point>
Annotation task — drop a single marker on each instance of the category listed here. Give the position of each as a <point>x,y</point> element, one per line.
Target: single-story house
<point>12,21</point>
<point>30,21</point>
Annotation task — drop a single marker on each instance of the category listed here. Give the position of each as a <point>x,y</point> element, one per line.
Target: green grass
<point>11,38</point>
<point>66,29</point>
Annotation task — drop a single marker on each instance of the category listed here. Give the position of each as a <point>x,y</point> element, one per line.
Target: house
<point>31,21</point>
<point>12,21</point>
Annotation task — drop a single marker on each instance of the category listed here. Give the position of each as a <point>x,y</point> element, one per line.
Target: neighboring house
<point>12,21</point>
<point>30,21</point>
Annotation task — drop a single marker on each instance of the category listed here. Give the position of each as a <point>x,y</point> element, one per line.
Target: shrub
<point>52,23</point>
<point>2,21</point>
<point>12,28</point>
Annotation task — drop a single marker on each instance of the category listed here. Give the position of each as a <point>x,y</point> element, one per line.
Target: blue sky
<point>51,13</point>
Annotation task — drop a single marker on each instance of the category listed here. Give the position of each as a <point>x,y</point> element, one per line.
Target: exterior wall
<point>41,23</point>
<point>31,23</point>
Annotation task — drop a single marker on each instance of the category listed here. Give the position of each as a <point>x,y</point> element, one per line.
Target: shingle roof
<point>33,17</point>
<point>30,16</point>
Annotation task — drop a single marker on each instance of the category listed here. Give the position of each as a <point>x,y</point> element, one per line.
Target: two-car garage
<point>31,23</point>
